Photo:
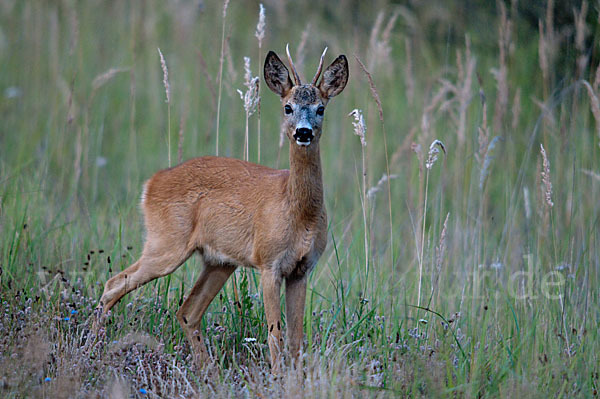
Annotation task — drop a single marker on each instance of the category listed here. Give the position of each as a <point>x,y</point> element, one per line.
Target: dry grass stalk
<point>543,54</point>
<point>501,73</point>
<point>409,79</point>
<point>487,161</point>
<point>231,70</point>
<point>387,31</point>
<point>550,20</point>
<point>547,46</point>
<point>597,79</point>
<point>591,173</point>
<point>260,35</point>
<point>74,38</point>
<point>360,129</point>
<point>432,157</point>
<point>545,174</point>
<point>260,26</point>
<point>163,65</point>
<point>580,33</point>
<point>486,146</point>
<point>250,98</point>
<point>441,248</point>
<point>103,78</point>
<point>595,104</point>
<point>375,96</point>
<point>427,116</point>
<point>465,76</point>
<point>377,188</point>
<point>484,132</point>
<point>221,60</point>
<point>83,134</point>
<point>380,50</point>
<point>372,87</point>
<point>373,37</point>
<point>301,49</point>
<point>132,115</point>
<point>418,150</point>
<point>182,121</point>
<point>516,110</point>
<point>211,89</point>
<point>405,147</point>
<point>209,82</point>
<point>440,254</point>
<point>527,203</point>
<point>548,115</point>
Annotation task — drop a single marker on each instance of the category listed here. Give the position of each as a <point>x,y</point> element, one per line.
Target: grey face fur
<point>304,105</point>
<point>304,122</point>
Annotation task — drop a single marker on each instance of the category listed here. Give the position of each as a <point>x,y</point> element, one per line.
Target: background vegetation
<point>474,276</point>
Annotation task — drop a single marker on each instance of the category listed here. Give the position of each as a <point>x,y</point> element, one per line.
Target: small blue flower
<point>114,342</point>
<point>47,379</point>
<point>73,311</point>
<point>143,391</point>
<point>67,318</point>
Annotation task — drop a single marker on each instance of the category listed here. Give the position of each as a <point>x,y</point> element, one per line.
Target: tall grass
<point>497,299</point>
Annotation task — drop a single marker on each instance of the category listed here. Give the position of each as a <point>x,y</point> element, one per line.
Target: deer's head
<point>304,104</point>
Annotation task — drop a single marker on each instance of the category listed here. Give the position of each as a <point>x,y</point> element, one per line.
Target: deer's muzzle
<point>303,136</point>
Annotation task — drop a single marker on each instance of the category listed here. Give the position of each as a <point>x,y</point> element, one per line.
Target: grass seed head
<point>433,153</point>
<point>260,27</point>
<point>487,161</point>
<point>250,97</point>
<point>378,187</point>
<point>163,65</point>
<point>594,103</point>
<point>103,78</point>
<point>527,203</point>
<point>225,5</point>
<point>360,129</point>
<point>546,178</point>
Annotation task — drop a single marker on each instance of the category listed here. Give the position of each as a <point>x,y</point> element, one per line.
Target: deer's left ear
<point>334,78</point>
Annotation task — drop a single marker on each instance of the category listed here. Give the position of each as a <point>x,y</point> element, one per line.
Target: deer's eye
<point>288,109</point>
<point>321,110</point>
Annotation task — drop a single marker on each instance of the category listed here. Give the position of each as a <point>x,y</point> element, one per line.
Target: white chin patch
<point>303,143</point>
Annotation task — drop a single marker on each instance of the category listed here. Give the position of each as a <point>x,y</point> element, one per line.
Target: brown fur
<point>236,213</point>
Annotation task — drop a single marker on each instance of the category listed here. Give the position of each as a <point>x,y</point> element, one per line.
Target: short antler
<point>320,68</point>
<point>297,82</point>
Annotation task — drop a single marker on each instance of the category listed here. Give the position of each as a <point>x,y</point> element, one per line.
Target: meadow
<point>463,255</point>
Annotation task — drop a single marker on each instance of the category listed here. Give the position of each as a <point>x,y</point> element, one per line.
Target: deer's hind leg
<point>189,315</point>
<point>159,258</point>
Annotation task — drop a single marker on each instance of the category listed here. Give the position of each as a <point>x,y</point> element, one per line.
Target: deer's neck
<point>305,185</point>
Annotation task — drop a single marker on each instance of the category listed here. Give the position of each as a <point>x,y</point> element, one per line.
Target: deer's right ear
<point>277,75</point>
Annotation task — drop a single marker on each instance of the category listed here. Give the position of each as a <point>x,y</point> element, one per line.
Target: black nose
<point>303,135</point>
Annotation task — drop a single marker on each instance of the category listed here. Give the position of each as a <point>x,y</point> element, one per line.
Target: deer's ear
<point>277,75</point>
<point>334,78</point>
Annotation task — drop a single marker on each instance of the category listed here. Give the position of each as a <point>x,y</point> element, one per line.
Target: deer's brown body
<point>236,213</point>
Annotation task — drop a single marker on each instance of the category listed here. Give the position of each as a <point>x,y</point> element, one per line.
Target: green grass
<point>510,308</point>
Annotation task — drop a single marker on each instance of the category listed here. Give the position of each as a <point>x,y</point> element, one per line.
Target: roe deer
<point>236,213</point>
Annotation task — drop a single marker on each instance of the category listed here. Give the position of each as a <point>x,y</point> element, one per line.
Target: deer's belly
<point>212,256</point>
<point>295,265</point>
